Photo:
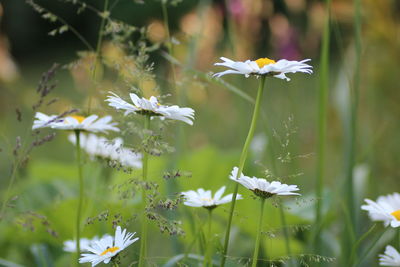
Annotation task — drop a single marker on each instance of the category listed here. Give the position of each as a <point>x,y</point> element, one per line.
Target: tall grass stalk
<point>258,238</point>
<point>15,167</point>
<point>281,208</point>
<point>282,215</point>
<point>350,144</point>
<point>143,243</point>
<point>208,250</point>
<point>357,244</point>
<point>242,161</point>
<point>322,124</point>
<point>230,27</point>
<point>98,48</point>
<point>80,201</point>
<point>172,186</point>
<point>170,45</point>
<point>369,248</point>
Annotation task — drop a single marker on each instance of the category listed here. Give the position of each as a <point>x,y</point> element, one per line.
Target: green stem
<point>10,184</point>
<point>350,145</point>
<point>398,238</point>
<point>64,22</point>
<point>80,201</point>
<point>285,232</point>
<point>143,245</point>
<point>357,244</point>
<point>208,250</point>
<point>166,23</point>
<point>281,208</point>
<point>322,124</point>
<point>368,250</point>
<point>258,238</point>
<point>98,47</point>
<point>242,161</point>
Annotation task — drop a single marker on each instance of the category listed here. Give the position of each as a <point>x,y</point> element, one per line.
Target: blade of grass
<point>358,242</point>
<point>322,123</point>
<point>368,250</point>
<point>352,128</point>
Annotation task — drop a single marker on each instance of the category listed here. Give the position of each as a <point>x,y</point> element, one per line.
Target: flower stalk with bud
<point>261,68</point>
<point>77,124</point>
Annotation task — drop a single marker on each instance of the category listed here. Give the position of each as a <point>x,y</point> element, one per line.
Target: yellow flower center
<point>113,249</point>
<point>261,62</point>
<point>207,199</point>
<point>78,118</point>
<point>396,214</point>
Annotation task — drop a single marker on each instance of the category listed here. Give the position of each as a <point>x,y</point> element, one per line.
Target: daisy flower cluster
<point>106,248</point>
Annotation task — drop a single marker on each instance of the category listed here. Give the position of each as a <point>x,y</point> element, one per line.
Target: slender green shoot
<point>281,207</point>
<point>285,232</point>
<point>259,231</point>
<point>208,248</point>
<point>368,250</point>
<point>357,244</point>
<point>322,124</point>
<point>81,191</point>
<point>143,243</point>
<point>100,35</point>
<point>242,161</point>
<point>350,141</point>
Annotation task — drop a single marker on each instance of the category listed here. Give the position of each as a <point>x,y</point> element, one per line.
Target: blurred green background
<point>43,196</point>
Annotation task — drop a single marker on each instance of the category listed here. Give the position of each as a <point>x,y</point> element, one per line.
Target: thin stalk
<point>143,244</point>
<point>166,23</point>
<point>368,250</point>
<point>322,124</point>
<point>170,45</point>
<point>207,256</point>
<point>230,28</point>
<point>173,186</point>
<point>352,131</point>
<point>357,244</point>
<point>242,161</point>
<point>398,238</point>
<point>98,47</point>
<point>80,201</point>
<point>285,232</point>
<point>258,238</point>
<point>64,22</point>
<point>281,210</point>
<point>10,184</point>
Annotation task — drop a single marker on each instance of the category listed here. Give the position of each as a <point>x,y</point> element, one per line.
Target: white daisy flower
<point>264,66</point>
<point>385,209</point>
<point>262,187</point>
<point>391,257</point>
<point>90,124</point>
<point>108,247</point>
<point>98,146</point>
<point>151,107</point>
<point>202,198</point>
